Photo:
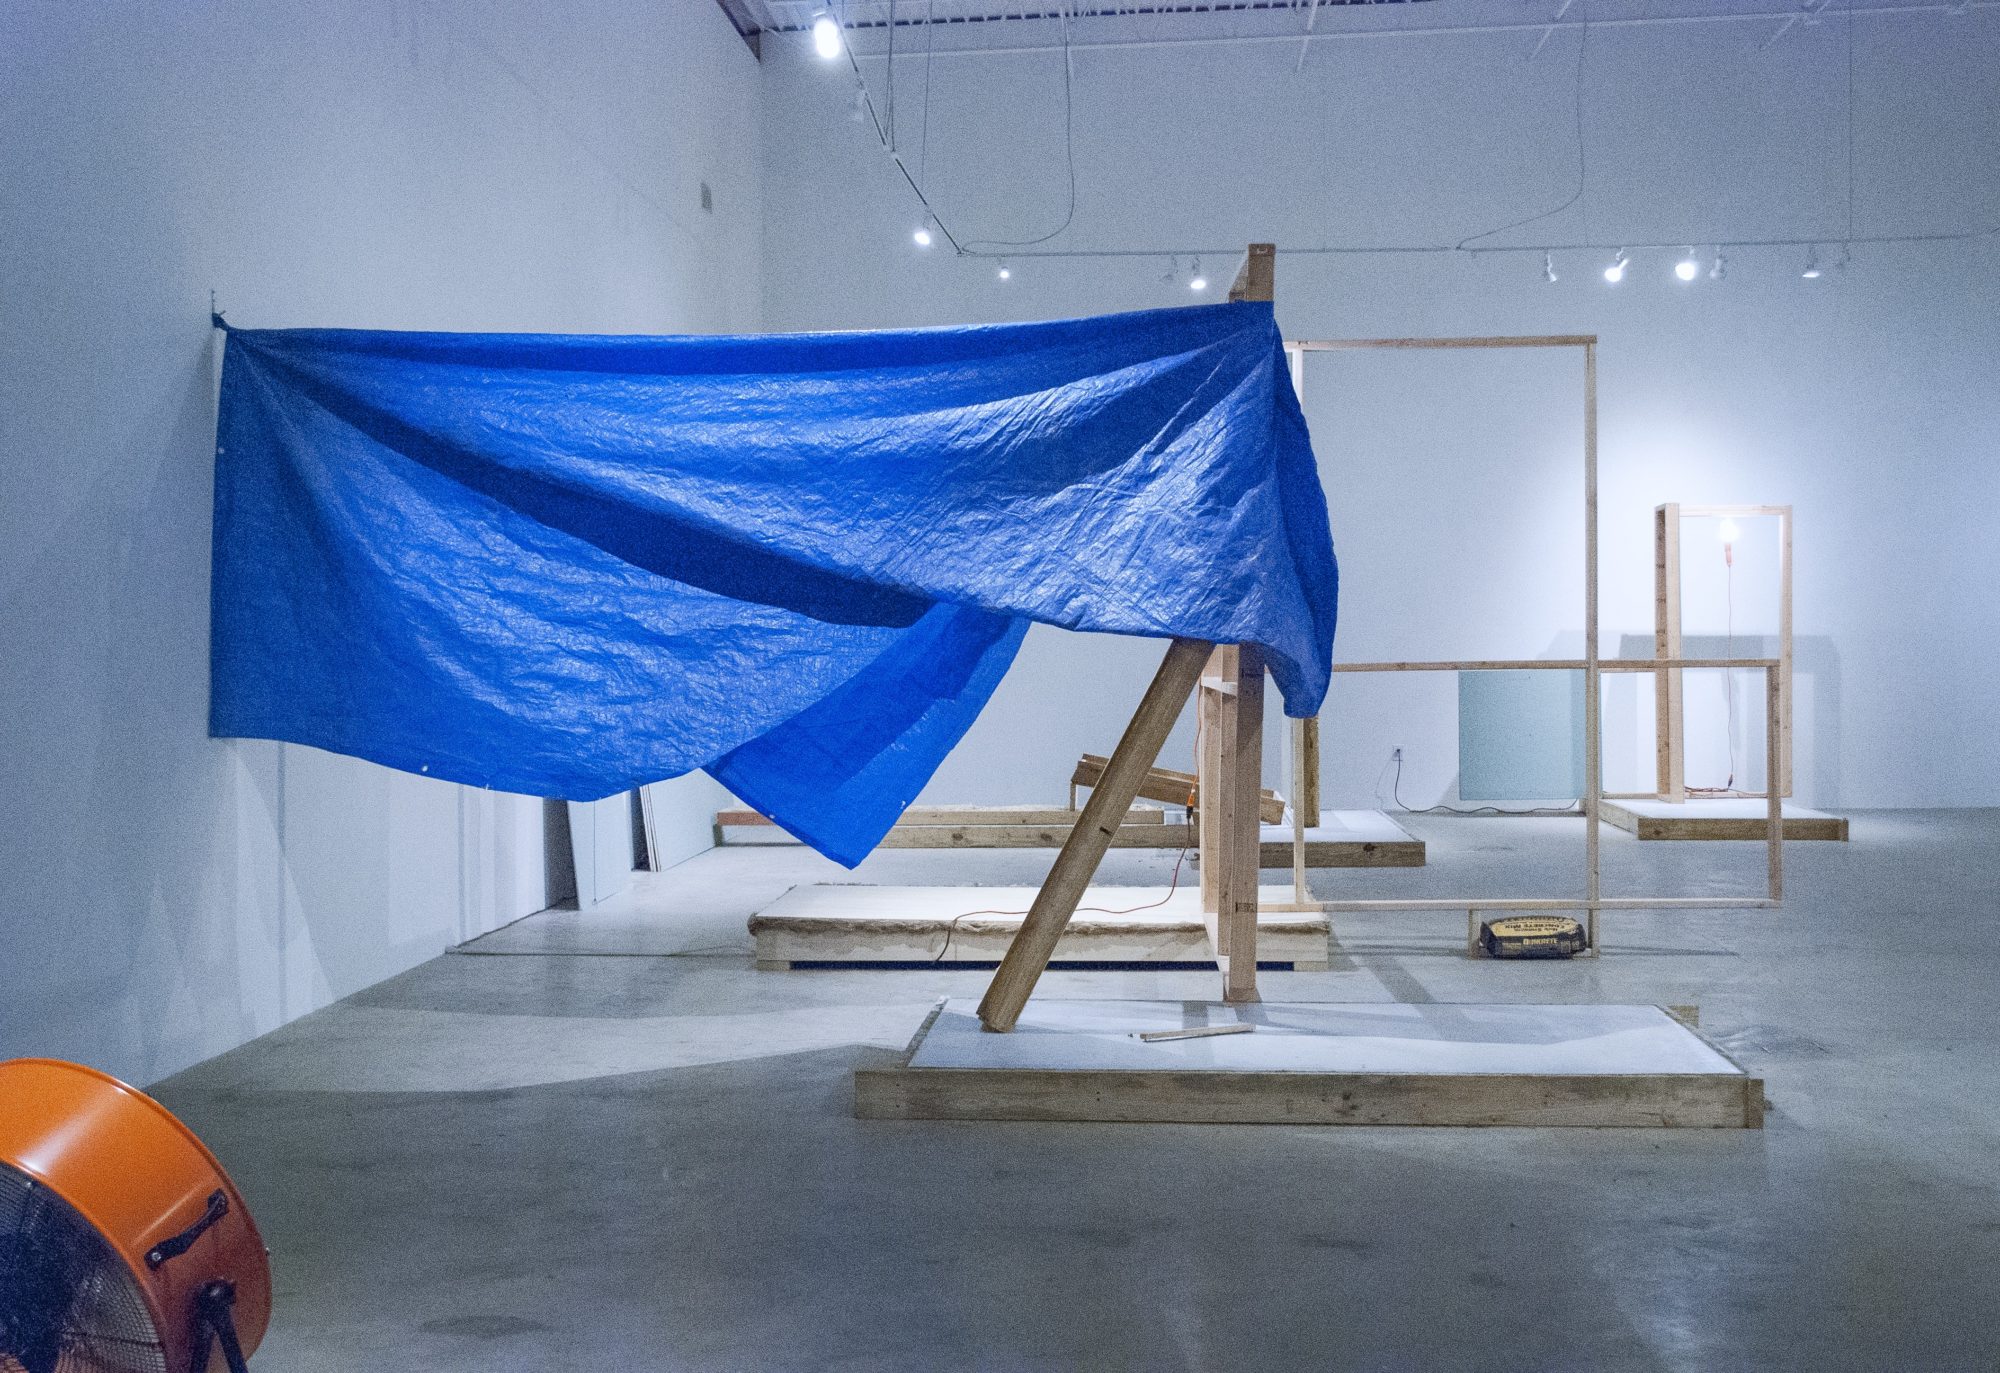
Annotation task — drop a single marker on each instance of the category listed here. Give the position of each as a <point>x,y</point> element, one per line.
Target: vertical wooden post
<point>1774,801</point>
<point>1781,781</point>
<point>1305,769</point>
<point>1028,956</point>
<point>1241,759</point>
<point>1207,790</point>
<point>1242,857</point>
<point>1306,787</point>
<point>1218,798</point>
<point>1593,704</point>
<point>1668,737</point>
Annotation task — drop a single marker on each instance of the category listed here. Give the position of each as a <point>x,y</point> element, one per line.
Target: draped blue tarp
<point>567,566</point>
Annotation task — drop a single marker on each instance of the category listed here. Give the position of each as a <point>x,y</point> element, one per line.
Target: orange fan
<point>124,1248</point>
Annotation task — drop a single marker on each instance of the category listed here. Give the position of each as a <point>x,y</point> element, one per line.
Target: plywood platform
<point>1342,839</point>
<point>928,925</point>
<point>1317,1063</point>
<point>1729,817</point>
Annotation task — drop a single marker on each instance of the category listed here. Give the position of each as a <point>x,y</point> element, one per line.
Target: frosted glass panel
<point>1520,736</point>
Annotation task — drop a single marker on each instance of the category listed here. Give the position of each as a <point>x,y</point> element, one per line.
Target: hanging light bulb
<point>1728,531</point>
<point>826,36</point>
<point>1005,273</point>
<point>1615,273</point>
<point>1812,271</point>
<point>1715,272</point>
<point>922,237</point>
<point>1196,281</point>
<point>1687,269</point>
<point>1549,267</point>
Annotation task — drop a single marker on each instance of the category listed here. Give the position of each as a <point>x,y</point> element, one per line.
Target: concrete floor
<point>602,1141</point>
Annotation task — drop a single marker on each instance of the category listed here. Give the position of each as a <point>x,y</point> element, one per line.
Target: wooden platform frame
<point>1593,903</point>
<point>899,1091</point>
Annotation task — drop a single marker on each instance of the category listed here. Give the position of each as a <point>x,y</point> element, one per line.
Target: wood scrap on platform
<point>852,923</point>
<point>1174,787</point>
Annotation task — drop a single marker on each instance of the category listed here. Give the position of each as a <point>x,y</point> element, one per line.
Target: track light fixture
<point>922,237</point>
<point>1812,271</point>
<point>1715,272</point>
<point>826,36</point>
<point>1687,269</point>
<point>1615,273</point>
<point>1173,272</point>
<point>1196,281</point>
<point>1549,267</point>
<point>1005,273</point>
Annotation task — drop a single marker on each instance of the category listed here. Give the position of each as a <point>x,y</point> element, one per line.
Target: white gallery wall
<point>1869,398</point>
<point>372,163</point>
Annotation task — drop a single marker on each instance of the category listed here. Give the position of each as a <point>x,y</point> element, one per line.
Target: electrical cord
<point>1396,795</point>
<point>1173,884</point>
<point>1582,44</point>
<point>1069,160</point>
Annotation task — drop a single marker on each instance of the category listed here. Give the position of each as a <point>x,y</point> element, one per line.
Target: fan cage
<point>68,1303</point>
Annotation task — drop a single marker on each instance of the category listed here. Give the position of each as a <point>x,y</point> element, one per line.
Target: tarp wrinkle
<point>569,565</point>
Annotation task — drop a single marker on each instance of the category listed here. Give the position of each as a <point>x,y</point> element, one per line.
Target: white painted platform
<point>1317,1063</point>
<point>1720,817</point>
<point>1326,1037</point>
<point>853,923</point>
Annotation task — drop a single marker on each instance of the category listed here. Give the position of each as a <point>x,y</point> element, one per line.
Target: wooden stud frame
<point>1593,667</point>
<point>1669,701</point>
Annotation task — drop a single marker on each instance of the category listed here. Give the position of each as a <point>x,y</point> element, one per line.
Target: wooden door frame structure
<point>1670,705</point>
<point>1228,682</point>
<point>1593,667</point>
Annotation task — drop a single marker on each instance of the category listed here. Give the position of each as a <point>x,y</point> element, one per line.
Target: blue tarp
<point>567,566</point>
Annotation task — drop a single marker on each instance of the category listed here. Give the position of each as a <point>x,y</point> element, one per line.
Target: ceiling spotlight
<point>1615,273</point>
<point>1549,267</point>
<point>1812,271</point>
<point>1173,272</point>
<point>922,237</point>
<point>1715,272</point>
<point>1196,281</point>
<point>826,36</point>
<point>1687,269</point>
<point>1005,273</point>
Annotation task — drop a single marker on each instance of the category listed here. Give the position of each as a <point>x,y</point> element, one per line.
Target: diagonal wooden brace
<point>1028,956</point>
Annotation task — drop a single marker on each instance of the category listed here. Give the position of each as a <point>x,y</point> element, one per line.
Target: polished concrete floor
<point>603,1141</point>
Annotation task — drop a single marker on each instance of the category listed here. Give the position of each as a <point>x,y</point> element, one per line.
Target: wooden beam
<point>1217,854</point>
<point>1237,913</point>
<point>1593,680</point>
<point>1782,783</point>
<point>1669,717</point>
<point>1029,954</point>
<point>1255,278</point>
<point>1174,787</point>
<point>1330,345</point>
<point>1305,791</point>
<point>925,816</point>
